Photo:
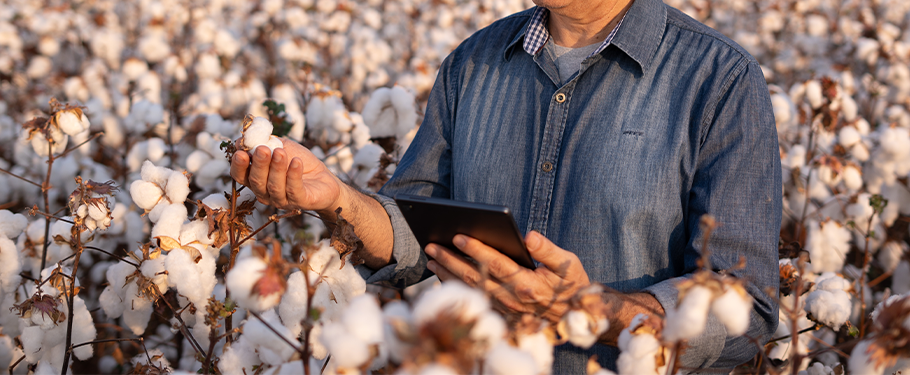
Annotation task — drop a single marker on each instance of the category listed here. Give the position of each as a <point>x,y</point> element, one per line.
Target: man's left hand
<point>544,291</point>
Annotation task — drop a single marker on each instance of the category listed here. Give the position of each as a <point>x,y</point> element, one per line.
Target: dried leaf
<point>41,303</point>
<point>345,241</point>
<point>167,244</point>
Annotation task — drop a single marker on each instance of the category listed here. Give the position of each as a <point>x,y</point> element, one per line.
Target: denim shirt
<point>617,165</point>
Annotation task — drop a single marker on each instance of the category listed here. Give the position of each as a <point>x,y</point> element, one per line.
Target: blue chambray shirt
<point>671,121</point>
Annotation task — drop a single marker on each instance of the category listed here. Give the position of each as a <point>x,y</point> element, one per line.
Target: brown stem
<point>77,233</point>
<point>795,357</point>
<point>49,216</point>
<point>45,187</point>
<point>20,177</point>
<point>112,255</point>
<point>67,151</point>
<point>229,321</point>
<point>213,339</point>
<point>182,327</point>
<point>272,219</point>
<point>813,328</point>
<point>862,279</point>
<point>101,341</point>
<point>13,366</point>
<point>275,331</point>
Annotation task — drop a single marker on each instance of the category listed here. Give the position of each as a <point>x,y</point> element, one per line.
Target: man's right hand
<point>291,178</point>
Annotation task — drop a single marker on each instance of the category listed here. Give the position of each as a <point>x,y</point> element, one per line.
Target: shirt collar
<point>643,28</point>
<point>537,34</point>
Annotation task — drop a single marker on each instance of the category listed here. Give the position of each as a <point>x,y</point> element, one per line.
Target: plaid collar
<point>537,35</point>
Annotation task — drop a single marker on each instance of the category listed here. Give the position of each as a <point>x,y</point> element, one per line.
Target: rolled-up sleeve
<point>738,181</point>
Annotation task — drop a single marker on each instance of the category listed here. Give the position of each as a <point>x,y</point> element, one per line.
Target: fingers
<point>240,167</point>
<point>277,179</point>
<point>547,253</point>
<point>457,265</point>
<point>498,264</point>
<point>294,183</point>
<point>259,172</point>
<point>503,299</point>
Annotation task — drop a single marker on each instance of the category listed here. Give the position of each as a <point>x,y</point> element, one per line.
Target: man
<point>609,127</point>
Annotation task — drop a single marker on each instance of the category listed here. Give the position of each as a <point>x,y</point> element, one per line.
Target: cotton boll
<point>258,133</point>
<point>212,171</point>
<point>83,329</point>
<point>10,266</point>
<point>348,350</point>
<point>171,220</point>
<point>848,136</point>
<point>890,255</point>
<point>11,225</point>
<point>216,201</point>
<point>178,187</point>
<point>688,320</point>
<point>294,297</point>
<point>196,160</point>
<point>138,311</point>
<point>852,177</point>
<point>272,349</point>
<point>831,308</point>
<point>363,319</point>
<point>239,358</point>
<point>827,244</point>
<point>504,359</point>
<point>152,173</point>
<point>240,281</point>
<point>581,330</point>
<point>860,361</point>
<point>71,122</point>
<point>274,143</point>
<point>490,328</point>
<point>540,348</point>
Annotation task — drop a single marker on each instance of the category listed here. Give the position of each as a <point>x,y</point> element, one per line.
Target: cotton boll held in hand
<point>257,131</point>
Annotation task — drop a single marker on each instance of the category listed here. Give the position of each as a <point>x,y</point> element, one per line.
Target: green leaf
<point>315,313</point>
<point>853,331</point>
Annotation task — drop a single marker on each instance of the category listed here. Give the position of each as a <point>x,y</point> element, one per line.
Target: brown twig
<point>13,366</point>
<point>67,151</point>
<point>272,219</point>
<point>275,331</point>
<point>112,255</point>
<point>104,340</point>
<point>20,177</point>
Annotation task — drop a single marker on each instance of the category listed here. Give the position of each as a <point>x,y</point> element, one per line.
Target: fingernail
<point>459,241</point>
<point>431,265</point>
<point>295,163</point>
<point>278,157</point>
<point>262,155</point>
<point>431,250</point>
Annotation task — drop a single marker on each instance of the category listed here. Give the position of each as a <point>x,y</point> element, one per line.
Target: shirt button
<point>547,166</point>
<point>560,98</point>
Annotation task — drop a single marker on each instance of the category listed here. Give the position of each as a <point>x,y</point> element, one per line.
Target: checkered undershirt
<point>537,35</point>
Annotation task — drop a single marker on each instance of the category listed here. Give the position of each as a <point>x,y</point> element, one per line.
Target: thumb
<point>547,253</point>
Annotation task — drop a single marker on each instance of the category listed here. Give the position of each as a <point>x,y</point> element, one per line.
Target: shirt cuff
<point>409,262</point>
<point>704,350</point>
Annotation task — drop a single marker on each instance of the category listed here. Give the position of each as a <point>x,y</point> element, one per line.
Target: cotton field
<point>125,246</point>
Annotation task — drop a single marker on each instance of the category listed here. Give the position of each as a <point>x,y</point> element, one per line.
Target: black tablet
<point>436,220</point>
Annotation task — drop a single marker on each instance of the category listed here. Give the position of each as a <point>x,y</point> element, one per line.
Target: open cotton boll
<point>257,133</point>
<point>827,244</point>
<point>216,201</point>
<point>10,266</point>
<point>349,351</point>
<point>452,297</point>
<point>83,329</point>
<point>582,332</point>
<point>848,136</point>
<point>638,354</point>
<point>830,307</point>
<point>540,348</point>
<point>196,160</point>
<point>890,255</point>
<point>11,225</point>
<point>170,222</point>
<point>157,149</point>
<point>688,319</point>
<point>239,358</point>
<point>240,281</point>
<point>814,94</point>
<point>71,121</point>
<point>490,328</point>
<point>272,349</point>
<point>860,361</point>
<point>733,309</point>
<point>178,187</point>
<point>152,173</point>
<point>154,271</point>
<point>852,177</point>
<point>295,296</point>
<point>504,359</point>
<point>363,319</point>
<point>138,310</point>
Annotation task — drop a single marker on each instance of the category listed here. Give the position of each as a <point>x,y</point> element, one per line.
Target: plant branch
<point>20,177</point>
<point>111,255</point>
<point>275,331</point>
<point>101,341</point>
<point>272,219</point>
<point>67,151</point>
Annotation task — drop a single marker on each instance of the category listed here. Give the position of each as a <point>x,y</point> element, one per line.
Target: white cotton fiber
<point>216,201</point>
<point>294,297</point>
<point>504,359</point>
<point>345,348</point>
<point>688,319</point>
<point>83,329</point>
<point>156,149</point>
<point>733,309</point>
<point>830,307</point>
<point>31,343</point>
<point>258,133</point>
<point>274,143</point>
<point>111,302</point>
<point>240,281</point>
<point>11,225</point>
<point>152,173</point>
<point>272,349</point>
<point>138,310</point>
<point>638,354</point>
<point>489,328</point>
<point>540,348</point>
<point>196,160</point>
<point>178,187</point>
<point>170,221</point>
<point>70,123</point>
<point>10,266</point>
<point>363,319</point>
<point>860,361</point>
<point>848,136</point>
<point>452,297</point>
<point>582,331</point>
